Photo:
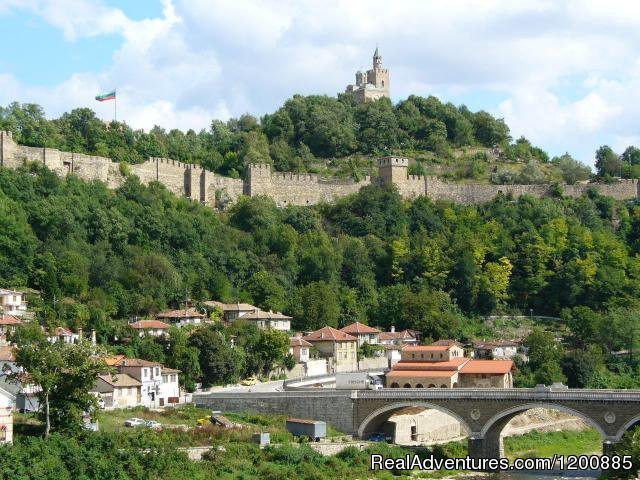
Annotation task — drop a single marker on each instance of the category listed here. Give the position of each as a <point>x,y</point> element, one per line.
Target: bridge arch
<point>500,419</point>
<point>630,424</point>
<point>386,411</point>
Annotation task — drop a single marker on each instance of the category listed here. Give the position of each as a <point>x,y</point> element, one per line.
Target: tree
<point>572,170</point>
<point>607,162</point>
<point>544,353</point>
<point>272,347</point>
<point>65,374</point>
<point>314,306</point>
<point>219,362</point>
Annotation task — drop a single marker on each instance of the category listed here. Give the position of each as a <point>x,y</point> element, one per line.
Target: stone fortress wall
<point>286,188</point>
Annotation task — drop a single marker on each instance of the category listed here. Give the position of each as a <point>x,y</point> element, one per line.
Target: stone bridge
<point>483,412</point>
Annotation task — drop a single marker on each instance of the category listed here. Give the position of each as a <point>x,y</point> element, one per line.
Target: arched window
<point>407,385</point>
<point>443,386</point>
<point>395,385</point>
<point>419,385</point>
<point>431,385</point>
<point>455,384</point>
<point>383,83</point>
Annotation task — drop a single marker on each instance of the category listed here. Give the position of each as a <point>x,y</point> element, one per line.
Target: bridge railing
<point>501,393</point>
<point>290,384</point>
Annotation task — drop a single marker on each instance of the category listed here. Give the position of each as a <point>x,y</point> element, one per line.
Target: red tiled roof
<point>9,320</point>
<point>426,348</point>
<point>452,364</point>
<point>329,333</point>
<point>169,370</point>
<point>496,367</point>
<point>6,353</point>
<point>298,342</point>
<point>111,361</point>
<point>62,332</point>
<point>357,328</point>
<point>137,362</point>
<point>142,324</point>
<point>422,373</point>
<point>182,313</point>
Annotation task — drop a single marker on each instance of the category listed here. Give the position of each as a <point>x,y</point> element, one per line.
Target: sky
<point>565,74</point>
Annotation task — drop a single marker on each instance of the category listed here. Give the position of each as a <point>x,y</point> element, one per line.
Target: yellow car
<point>249,382</point>
<point>203,421</point>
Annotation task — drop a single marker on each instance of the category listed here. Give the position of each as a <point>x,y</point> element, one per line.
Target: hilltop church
<point>372,84</point>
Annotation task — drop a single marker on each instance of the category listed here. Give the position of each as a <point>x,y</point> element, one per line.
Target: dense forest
<point>98,256</point>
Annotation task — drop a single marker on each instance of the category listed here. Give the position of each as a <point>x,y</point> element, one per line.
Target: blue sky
<point>564,74</point>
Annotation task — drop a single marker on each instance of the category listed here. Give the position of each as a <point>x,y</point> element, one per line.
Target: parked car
<point>153,424</point>
<point>249,382</point>
<point>134,422</point>
<point>378,437</point>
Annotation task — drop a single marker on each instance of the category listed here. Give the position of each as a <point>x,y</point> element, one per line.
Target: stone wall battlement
<point>286,188</point>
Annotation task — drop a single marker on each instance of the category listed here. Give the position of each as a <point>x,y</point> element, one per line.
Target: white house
<point>497,349</point>
<point>152,328</point>
<point>13,302</point>
<point>159,385</point>
<point>169,387</point>
<point>64,335</point>
<point>118,390</point>
<point>299,348</point>
<point>269,320</point>
<point>7,403</point>
<point>149,374</point>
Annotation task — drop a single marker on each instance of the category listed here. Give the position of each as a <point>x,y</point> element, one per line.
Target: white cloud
<point>568,71</point>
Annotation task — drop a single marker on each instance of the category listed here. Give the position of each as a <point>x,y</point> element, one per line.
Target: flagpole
<point>115,108</point>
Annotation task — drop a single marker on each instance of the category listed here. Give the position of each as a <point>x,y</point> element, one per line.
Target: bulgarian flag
<point>106,96</point>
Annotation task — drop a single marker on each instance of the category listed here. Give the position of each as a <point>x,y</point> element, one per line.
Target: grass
<point>546,444</point>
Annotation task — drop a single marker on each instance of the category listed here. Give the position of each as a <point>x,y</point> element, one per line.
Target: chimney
<point>93,338</point>
<point>393,329</point>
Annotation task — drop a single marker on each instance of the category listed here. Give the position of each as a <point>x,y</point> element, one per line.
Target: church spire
<point>377,59</point>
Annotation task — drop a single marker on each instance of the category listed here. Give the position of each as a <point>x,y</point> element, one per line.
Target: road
<point>275,386</point>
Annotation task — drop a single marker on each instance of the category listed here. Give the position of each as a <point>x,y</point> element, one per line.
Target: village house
<point>149,374</point>
<point>169,387</point>
<point>364,333</point>
<point>63,335</point>
<point>299,348</point>
<point>341,349</point>
<point>13,302</point>
<point>7,402</point>
<point>182,317</point>
<point>405,337</point>
<point>497,349</point>
<point>8,360</point>
<point>445,366</point>
<point>159,385</point>
<point>150,328</point>
<point>8,324</point>
<point>232,311</point>
<point>268,320</point>
<point>118,390</point>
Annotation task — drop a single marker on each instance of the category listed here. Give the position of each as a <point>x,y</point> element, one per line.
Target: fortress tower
<point>372,84</point>
<point>393,170</point>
